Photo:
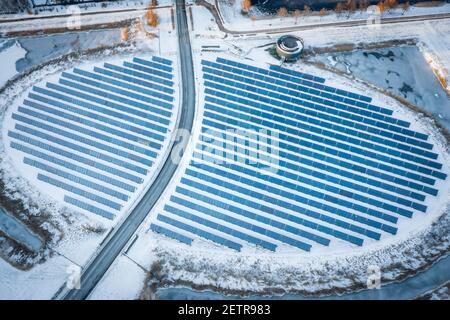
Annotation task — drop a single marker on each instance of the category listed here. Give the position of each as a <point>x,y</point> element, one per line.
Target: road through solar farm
<point>165,145</point>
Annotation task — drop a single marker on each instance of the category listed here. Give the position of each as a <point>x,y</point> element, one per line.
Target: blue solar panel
<point>220,227</point>
<point>309,108</point>
<point>76,179</point>
<point>107,103</point>
<point>317,88</point>
<point>162,60</point>
<point>329,125</point>
<point>79,138</point>
<point>204,188</point>
<point>266,124</point>
<point>340,160</point>
<point>252,193</point>
<point>81,149</point>
<point>150,105</point>
<point>75,157</point>
<point>78,191</point>
<point>106,128</point>
<point>200,232</point>
<point>243,224</point>
<point>89,207</point>
<point>171,234</point>
<point>135,80</point>
<point>150,133</point>
<point>73,167</point>
<point>153,64</point>
<point>148,70</point>
<point>294,143</point>
<point>319,175</point>
<point>126,85</point>
<point>139,74</point>
<point>297,74</point>
<point>331,143</point>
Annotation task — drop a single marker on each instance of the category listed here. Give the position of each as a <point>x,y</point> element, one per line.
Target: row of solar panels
<point>327,179</point>
<point>214,213</point>
<point>251,122</point>
<point>88,132</point>
<point>92,124</point>
<point>316,88</point>
<point>154,123</point>
<point>50,103</point>
<point>95,136</point>
<point>334,184</point>
<point>205,194</point>
<point>329,106</point>
<point>75,156</point>
<point>310,110</point>
<point>333,156</point>
<point>335,131</point>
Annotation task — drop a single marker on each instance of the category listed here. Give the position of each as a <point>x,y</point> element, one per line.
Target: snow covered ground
<point>10,53</point>
<point>401,70</point>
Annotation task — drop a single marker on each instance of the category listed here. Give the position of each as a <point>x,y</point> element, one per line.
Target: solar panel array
<point>324,164</point>
<point>95,134</point>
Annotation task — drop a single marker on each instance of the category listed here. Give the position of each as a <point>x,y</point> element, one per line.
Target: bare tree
<point>297,13</point>
<point>405,6</point>
<point>363,5</point>
<point>282,12</point>
<point>323,12</point>
<point>339,8</point>
<point>306,10</point>
<point>381,6</point>
<point>124,34</point>
<point>246,6</point>
<point>152,18</point>
<point>390,4</point>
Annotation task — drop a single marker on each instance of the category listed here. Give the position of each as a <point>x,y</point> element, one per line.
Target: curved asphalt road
<point>113,247</point>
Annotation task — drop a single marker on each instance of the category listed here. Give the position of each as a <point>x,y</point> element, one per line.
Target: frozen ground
<point>44,48</point>
<point>10,53</point>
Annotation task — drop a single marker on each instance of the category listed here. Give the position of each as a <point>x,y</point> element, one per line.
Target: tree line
<point>348,6</point>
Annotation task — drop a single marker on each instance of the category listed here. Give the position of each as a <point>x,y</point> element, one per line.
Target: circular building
<point>289,47</point>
